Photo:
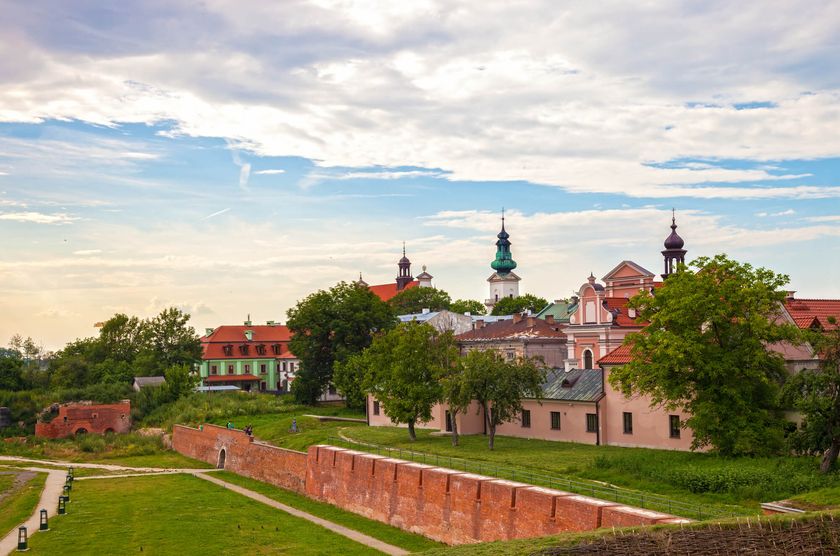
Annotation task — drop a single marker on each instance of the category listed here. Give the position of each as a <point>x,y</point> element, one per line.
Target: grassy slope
<point>381,531</point>
<point>6,482</point>
<point>180,514</point>
<point>825,498</point>
<point>15,508</point>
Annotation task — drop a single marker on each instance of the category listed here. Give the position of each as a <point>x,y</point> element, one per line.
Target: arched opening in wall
<point>221,464</point>
<point>109,431</point>
<point>81,431</point>
<point>587,359</point>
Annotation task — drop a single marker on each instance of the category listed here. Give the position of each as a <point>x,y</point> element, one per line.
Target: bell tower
<point>674,253</point>
<point>404,276</point>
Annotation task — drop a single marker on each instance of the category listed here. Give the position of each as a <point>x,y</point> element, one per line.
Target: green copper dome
<point>504,262</point>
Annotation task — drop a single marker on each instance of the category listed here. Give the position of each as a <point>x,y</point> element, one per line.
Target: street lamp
<point>22,540</point>
<point>67,492</point>
<point>62,505</point>
<point>45,526</point>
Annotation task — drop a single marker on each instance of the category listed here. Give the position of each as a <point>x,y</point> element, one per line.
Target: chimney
<point>249,334</point>
<point>270,322</point>
<point>479,324</point>
<point>208,331</point>
<point>789,295</point>
<point>549,319</point>
<point>517,317</point>
<point>531,321</point>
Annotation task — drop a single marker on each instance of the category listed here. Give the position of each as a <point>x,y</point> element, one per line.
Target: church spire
<point>503,262</point>
<point>674,253</point>
<point>404,276</point>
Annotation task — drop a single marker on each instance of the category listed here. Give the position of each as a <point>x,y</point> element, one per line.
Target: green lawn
<point>381,531</point>
<point>15,508</point>
<point>824,498</point>
<point>6,482</point>
<point>180,514</point>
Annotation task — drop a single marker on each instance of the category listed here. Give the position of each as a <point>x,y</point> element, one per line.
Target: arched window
<point>587,359</point>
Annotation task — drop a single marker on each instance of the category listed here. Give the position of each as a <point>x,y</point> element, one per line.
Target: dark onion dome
<point>674,241</point>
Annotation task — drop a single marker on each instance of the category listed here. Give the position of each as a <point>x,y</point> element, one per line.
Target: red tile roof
<point>234,335</point>
<point>231,378</point>
<point>387,291</point>
<point>528,328</point>
<point>802,309</point>
<point>618,356</point>
<point>622,318</point>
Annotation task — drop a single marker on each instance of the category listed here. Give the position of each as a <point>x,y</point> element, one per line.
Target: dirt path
<point>49,500</point>
<point>361,538</point>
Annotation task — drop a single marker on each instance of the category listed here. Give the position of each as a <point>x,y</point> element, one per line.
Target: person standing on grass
<point>294,424</point>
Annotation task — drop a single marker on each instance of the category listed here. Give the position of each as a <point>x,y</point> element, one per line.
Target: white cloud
<point>87,252</point>
<point>486,91</point>
<point>788,212</point>
<point>33,217</point>
<point>270,172</point>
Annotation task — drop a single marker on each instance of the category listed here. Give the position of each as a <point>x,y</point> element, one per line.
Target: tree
<point>11,374</point>
<point>330,326</point>
<point>403,369</point>
<point>414,300</point>
<point>500,385</point>
<point>169,342</point>
<point>511,305</point>
<point>705,351</point>
<point>456,393</point>
<point>470,306</point>
<point>816,394</point>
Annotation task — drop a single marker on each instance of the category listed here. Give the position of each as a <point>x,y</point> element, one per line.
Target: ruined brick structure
<point>86,417</point>
<point>446,505</point>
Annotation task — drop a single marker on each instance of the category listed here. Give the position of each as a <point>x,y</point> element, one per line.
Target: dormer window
<point>243,349</point>
<point>276,349</point>
<point>228,349</point>
<point>261,349</point>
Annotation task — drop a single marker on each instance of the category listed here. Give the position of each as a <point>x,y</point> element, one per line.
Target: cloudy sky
<point>231,157</point>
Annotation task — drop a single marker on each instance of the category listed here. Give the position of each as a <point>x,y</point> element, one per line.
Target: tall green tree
<point>455,393</point>
<point>169,341</point>
<point>414,300</point>
<point>500,385</point>
<point>329,326</point>
<point>470,306</point>
<point>705,350</point>
<point>403,370</point>
<point>816,394</point>
<point>511,305</point>
<point>11,374</point>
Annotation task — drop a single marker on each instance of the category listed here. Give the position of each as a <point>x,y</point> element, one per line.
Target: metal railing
<point>604,492</point>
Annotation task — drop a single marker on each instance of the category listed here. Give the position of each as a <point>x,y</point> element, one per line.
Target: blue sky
<point>231,158</point>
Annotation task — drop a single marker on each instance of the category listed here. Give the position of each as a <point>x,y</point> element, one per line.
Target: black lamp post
<point>45,526</point>
<point>67,492</point>
<point>68,484</point>
<point>70,471</point>
<point>69,478</point>
<point>23,545</point>
<point>62,505</point>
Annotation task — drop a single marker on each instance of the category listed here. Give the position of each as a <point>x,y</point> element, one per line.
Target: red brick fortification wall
<point>242,455</point>
<point>455,507</point>
<point>76,418</point>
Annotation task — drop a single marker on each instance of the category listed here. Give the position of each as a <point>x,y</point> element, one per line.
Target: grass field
<point>180,514</point>
<point>377,530</point>
<point>20,503</point>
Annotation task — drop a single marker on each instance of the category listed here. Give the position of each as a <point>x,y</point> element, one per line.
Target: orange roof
<point>622,318</point>
<point>529,328</point>
<point>618,356</point>
<point>266,335</point>
<point>804,311</point>
<point>387,291</point>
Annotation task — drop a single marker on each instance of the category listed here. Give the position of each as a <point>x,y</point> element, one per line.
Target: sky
<point>229,158</point>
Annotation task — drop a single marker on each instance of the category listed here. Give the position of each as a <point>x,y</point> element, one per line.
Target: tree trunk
<point>411,434</point>
<point>830,456</point>
<point>492,437</point>
<point>452,416</point>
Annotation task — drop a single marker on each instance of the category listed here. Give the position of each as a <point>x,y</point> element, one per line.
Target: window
<point>448,421</point>
<point>291,367</point>
<point>243,349</point>
<point>628,423</point>
<point>214,369</point>
<point>674,425</point>
<point>526,418</point>
<point>263,368</point>
<point>376,407</point>
<point>261,349</point>
<point>284,366</point>
<point>262,386</point>
<point>247,367</point>
<point>555,420</point>
<point>591,422</point>
<point>230,369</point>
<point>276,349</point>
<point>228,349</point>
<point>587,359</point>
<point>510,355</point>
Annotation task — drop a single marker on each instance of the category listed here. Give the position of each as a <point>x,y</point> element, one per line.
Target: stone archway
<point>222,456</point>
<point>80,431</point>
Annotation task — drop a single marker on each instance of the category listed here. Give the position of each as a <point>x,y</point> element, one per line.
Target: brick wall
<point>442,504</point>
<point>242,455</point>
<point>76,418</point>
